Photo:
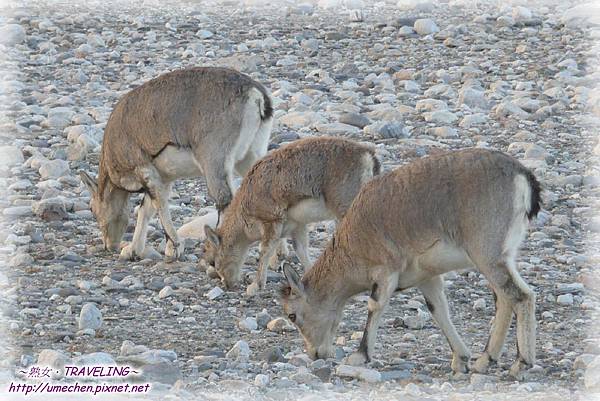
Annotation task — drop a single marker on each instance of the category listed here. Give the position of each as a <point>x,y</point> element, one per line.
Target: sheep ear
<point>89,182</point>
<point>212,236</point>
<point>293,279</point>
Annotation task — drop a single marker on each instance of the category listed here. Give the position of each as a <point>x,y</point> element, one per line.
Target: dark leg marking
<point>374,296</point>
<point>364,342</point>
<point>429,306</point>
<point>363,348</point>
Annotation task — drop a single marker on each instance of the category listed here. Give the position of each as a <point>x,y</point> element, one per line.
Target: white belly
<point>439,259</point>
<point>310,211</point>
<point>174,163</point>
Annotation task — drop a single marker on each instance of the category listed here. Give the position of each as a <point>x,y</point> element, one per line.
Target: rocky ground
<point>487,74</point>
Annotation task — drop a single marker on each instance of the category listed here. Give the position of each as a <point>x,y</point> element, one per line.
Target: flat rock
<point>357,372</point>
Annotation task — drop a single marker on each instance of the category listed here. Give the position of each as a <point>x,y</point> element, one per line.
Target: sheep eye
<point>292,317</point>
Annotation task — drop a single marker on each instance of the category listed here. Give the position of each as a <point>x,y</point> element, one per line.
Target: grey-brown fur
<point>209,121</point>
<point>328,171</point>
<point>405,229</point>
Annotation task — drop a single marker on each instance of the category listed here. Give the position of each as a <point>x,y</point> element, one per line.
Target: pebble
<point>425,26</point>
<point>357,372</point>
<point>273,354</point>
<point>279,325</point>
<point>53,359</point>
<point>248,324</point>
<point>215,293</point>
<point>90,317</point>
<point>440,117</point>
<point>10,155</point>
<point>51,209</point>
<point>565,299</point>
<point>592,375</point>
<point>445,132</point>
<point>12,34</point>
<point>167,292</point>
<point>263,318</point>
<point>473,98</point>
<point>240,351</point>
<point>418,321</point>
<point>95,358</point>
<point>479,304</point>
<point>21,259</point>
<point>355,119</point>
<point>261,380</point>
<point>53,169</point>
<point>17,211</point>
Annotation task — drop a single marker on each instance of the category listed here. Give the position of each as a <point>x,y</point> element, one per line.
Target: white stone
<point>21,259</point>
<point>52,358</point>
<point>473,119</point>
<point>425,26</point>
<point>473,98</point>
<point>430,105</point>
<point>129,348</point>
<point>591,378</point>
<point>95,40</point>
<point>214,293</point>
<point>204,34</point>
<point>17,211</point>
<point>582,15</point>
<point>354,4</point>
<point>565,299</point>
<point>12,34</point>
<point>90,317</point>
<point>405,31</point>
<point>445,132</point>
<point>248,324</point>
<point>166,292</point>
<point>358,372</point>
<point>505,20</point>
<point>280,325</point>
<point>51,209</point>
<point>440,117</point>
<point>54,169</point>
<point>152,356</point>
<point>10,156</point>
<point>546,315</point>
<point>337,129</point>
<point>479,304</point>
<point>521,14</point>
<point>302,119</point>
<point>329,4</point>
<point>411,86</point>
<point>241,350</point>
<point>418,321</point>
<point>509,109</point>
<point>261,380</point>
<point>555,92</point>
<point>94,359</point>
<point>417,5</point>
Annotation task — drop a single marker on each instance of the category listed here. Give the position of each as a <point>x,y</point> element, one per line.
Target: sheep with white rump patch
<point>408,227</point>
<point>307,181</point>
<point>203,121</point>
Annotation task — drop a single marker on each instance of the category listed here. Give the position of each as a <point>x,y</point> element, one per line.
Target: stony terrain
<point>488,74</point>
